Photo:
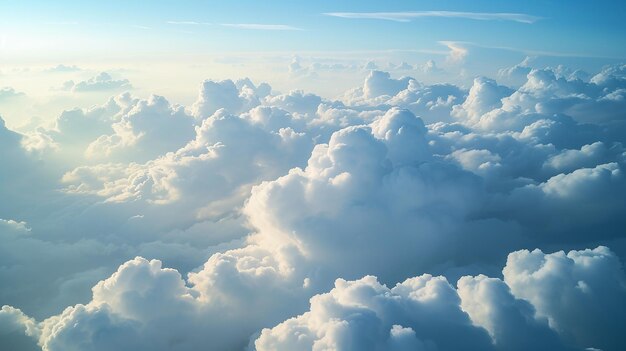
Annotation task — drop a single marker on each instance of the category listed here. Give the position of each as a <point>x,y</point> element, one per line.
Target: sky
<point>282,175</point>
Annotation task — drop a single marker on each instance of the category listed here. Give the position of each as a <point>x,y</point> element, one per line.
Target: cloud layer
<point>378,221</point>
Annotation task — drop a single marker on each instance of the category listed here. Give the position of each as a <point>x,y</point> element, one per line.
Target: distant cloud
<point>256,26</point>
<point>407,16</point>
<point>102,81</point>
<point>8,93</point>
<point>457,51</point>
<point>63,68</point>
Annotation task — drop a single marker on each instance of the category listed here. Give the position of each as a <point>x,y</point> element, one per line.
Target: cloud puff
<point>223,94</point>
<point>7,93</point>
<point>419,314</point>
<point>581,293</point>
<point>422,313</point>
<point>432,103</point>
<point>101,82</point>
<point>510,321</point>
<point>17,331</point>
<point>148,129</point>
<point>64,68</point>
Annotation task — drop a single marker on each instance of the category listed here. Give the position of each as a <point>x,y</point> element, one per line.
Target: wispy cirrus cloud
<point>250,26</point>
<point>407,16</point>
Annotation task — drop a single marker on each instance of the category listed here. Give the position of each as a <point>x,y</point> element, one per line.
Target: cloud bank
<point>400,216</point>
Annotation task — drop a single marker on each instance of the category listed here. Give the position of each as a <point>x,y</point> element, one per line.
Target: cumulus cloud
<point>422,313</point>
<point>518,71</point>
<point>419,314</point>
<point>275,210</point>
<point>7,93</point>
<point>101,82</point>
<point>581,293</point>
<point>223,94</point>
<point>64,68</point>
<point>148,129</point>
<point>432,103</point>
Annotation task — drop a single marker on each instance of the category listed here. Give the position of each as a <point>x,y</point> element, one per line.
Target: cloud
<point>17,331</point>
<point>8,93</point>
<point>150,128</point>
<point>457,53</point>
<point>510,320</point>
<point>411,15</point>
<point>419,314</point>
<point>579,302</point>
<point>519,70</point>
<point>136,303</point>
<point>430,67</point>
<point>215,95</point>
<point>101,82</point>
<point>257,26</point>
<point>64,68</point>
<point>271,208</point>
<point>431,102</point>
<point>422,312</point>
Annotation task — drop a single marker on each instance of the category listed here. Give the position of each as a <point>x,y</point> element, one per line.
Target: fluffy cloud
<point>64,68</point>
<point>17,331</point>
<point>7,93</point>
<point>225,94</point>
<point>581,293</point>
<point>433,103</point>
<point>419,314</point>
<point>101,82</point>
<point>261,200</point>
<point>145,304</point>
<point>422,313</point>
<point>150,128</point>
<point>510,321</point>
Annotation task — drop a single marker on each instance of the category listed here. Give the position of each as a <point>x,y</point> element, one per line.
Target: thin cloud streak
<point>407,16</point>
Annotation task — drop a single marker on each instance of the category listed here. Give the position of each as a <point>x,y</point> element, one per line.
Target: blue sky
<point>585,28</point>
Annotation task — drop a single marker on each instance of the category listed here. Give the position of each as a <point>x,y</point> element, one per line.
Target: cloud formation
<point>411,15</point>
<point>292,221</point>
<point>101,82</point>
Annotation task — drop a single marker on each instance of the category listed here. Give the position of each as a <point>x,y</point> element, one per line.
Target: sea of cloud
<point>401,216</point>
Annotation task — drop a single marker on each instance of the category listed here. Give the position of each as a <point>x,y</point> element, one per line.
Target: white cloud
<point>419,314</point>
<point>262,200</point>
<point>581,293</point>
<point>411,15</point>
<point>101,82</point>
<point>148,129</point>
<point>223,94</point>
<point>458,52</point>
<point>64,68</point>
<point>7,93</point>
